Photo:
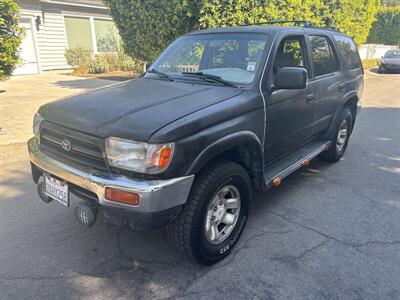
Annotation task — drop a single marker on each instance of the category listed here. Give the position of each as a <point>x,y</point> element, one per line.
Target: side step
<point>275,172</point>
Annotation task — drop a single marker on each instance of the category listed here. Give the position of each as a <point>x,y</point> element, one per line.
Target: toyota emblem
<point>66,145</point>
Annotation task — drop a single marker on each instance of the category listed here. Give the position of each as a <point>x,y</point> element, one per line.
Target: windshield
<point>392,54</point>
<point>232,57</point>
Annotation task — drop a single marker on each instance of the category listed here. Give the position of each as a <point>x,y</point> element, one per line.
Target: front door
<point>29,63</point>
<point>289,113</point>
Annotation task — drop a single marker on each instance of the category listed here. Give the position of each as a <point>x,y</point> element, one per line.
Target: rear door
<point>328,79</point>
<point>289,113</point>
<point>353,68</point>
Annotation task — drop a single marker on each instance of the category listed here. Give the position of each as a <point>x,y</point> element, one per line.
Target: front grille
<point>79,147</point>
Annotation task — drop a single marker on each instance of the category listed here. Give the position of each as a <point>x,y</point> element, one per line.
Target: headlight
<point>137,156</point>
<point>37,119</point>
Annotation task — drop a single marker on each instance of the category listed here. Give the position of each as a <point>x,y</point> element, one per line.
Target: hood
<point>134,109</point>
<point>391,61</point>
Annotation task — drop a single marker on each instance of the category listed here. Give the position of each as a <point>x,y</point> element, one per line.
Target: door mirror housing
<point>290,78</point>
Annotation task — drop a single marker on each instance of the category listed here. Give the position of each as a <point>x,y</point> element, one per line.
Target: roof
<point>264,29</point>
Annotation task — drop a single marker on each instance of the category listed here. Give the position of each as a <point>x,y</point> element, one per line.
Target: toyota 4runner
<point>220,113</point>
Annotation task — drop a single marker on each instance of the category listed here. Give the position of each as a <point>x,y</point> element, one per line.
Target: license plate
<point>56,189</point>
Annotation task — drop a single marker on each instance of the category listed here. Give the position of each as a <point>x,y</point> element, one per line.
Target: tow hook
<point>41,192</point>
<point>86,213</point>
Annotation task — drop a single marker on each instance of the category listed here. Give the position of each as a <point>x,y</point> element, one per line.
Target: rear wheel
<point>340,137</point>
<point>214,216</point>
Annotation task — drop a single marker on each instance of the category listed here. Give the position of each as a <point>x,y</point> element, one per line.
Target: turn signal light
<point>122,196</point>
<point>325,147</point>
<point>165,157</point>
<point>305,162</point>
<point>277,181</point>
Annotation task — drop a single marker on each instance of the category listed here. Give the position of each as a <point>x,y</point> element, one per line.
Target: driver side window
<point>290,53</point>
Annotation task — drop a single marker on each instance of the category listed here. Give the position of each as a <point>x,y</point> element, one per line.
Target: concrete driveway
<point>329,231</point>
<point>21,96</point>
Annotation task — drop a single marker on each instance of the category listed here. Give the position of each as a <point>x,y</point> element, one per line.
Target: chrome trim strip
<point>155,195</point>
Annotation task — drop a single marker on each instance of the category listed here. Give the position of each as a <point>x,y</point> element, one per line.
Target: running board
<point>275,172</point>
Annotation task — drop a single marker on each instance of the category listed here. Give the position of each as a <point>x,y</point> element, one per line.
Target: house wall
<point>50,35</point>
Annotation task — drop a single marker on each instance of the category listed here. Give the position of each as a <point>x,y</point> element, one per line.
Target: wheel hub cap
<point>222,214</point>
<point>342,136</point>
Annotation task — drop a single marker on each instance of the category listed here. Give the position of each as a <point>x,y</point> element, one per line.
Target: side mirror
<point>290,78</point>
<point>148,65</point>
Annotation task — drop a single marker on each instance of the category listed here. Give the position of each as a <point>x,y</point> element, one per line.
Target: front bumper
<point>389,67</point>
<point>155,195</point>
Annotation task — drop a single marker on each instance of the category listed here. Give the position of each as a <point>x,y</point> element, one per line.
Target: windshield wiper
<point>160,74</point>
<point>214,78</point>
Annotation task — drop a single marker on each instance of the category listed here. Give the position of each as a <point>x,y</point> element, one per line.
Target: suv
<point>220,113</point>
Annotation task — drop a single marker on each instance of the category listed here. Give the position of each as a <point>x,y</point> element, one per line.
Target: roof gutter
<point>74,4</point>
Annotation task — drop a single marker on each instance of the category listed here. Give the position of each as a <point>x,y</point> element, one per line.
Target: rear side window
<point>349,51</point>
<point>323,57</point>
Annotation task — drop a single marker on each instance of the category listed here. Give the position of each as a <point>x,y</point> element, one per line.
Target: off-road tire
<point>333,154</point>
<point>187,232</point>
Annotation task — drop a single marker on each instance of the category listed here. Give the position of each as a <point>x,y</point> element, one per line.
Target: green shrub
<point>112,60</point>
<point>126,63</point>
<point>83,61</point>
<point>79,58</point>
<point>370,63</point>
<point>99,64</point>
<point>11,35</point>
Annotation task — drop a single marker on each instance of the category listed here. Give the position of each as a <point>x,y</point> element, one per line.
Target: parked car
<point>221,113</point>
<point>390,61</point>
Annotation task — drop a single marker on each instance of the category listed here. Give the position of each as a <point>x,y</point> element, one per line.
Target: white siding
<point>52,41</point>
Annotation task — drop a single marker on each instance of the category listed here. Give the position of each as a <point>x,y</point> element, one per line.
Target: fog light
<point>86,214</point>
<point>122,196</point>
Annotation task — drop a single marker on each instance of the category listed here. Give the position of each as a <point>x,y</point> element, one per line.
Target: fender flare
<point>242,138</point>
<point>346,99</point>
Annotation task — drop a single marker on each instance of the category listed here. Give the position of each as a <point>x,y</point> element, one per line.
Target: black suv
<point>220,113</point>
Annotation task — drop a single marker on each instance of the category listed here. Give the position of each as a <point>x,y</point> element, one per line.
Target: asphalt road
<point>329,231</point>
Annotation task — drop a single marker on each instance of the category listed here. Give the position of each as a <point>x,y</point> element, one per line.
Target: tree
<point>386,29</point>
<point>11,35</point>
<point>147,27</point>
<point>216,13</point>
<point>353,17</point>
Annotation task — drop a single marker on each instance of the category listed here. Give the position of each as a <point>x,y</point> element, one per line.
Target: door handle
<point>310,97</point>
<point>342,87</point>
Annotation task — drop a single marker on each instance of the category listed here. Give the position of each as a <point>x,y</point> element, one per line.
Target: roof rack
<point>295,22</point>
<point>334,28</point>
<point>305,23</point>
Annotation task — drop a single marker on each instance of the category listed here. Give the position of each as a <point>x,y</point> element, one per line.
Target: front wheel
<point>340,137</point>
<point>214,216</point>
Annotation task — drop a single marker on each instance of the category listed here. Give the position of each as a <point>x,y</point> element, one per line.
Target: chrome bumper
<point>155,195</point>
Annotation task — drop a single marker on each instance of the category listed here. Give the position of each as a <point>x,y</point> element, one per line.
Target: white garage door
<point>29,64</point>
